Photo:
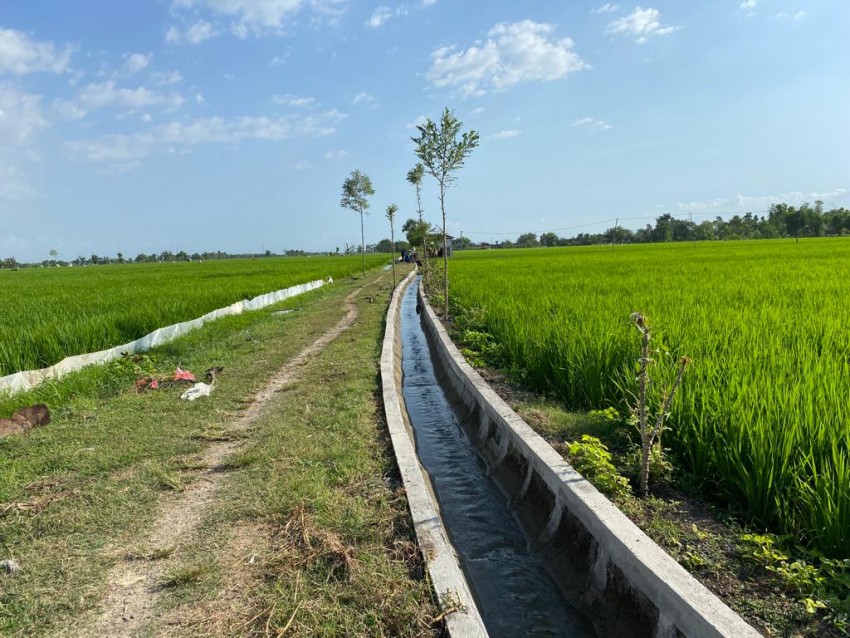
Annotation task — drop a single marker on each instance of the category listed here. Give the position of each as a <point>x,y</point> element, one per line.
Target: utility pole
<point>461,240</point>
<point>693,234</point>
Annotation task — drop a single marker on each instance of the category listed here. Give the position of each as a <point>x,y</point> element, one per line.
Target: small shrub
<point>659,466</point>
<point>591,459</point>
<point>608,415</point>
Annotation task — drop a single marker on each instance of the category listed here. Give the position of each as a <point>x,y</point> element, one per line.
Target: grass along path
<point>77,497</point>
<point>312,533</point>
<point>133,587</point>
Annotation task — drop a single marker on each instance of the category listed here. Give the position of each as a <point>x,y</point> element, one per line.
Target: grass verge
<point>779,588</point>
<point>313,536</point>
<point>75,494</point>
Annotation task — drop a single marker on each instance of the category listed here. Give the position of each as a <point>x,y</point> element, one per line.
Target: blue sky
<point>231,124</point>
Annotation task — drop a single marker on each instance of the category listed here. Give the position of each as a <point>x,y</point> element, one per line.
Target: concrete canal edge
<point>463,619</point>
<point>625,583</point>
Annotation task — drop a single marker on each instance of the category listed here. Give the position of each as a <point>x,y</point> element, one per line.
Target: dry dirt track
<point>133,586</point>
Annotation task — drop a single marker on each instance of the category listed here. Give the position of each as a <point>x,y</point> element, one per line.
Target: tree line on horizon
<point>143,258</point>
<point>781,221</point>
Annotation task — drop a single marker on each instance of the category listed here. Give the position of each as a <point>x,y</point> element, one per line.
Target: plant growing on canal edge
<point>356,190</point>
<point>442,153</point>
<point>392,209</point>
<point>650,432</point>
<point>591,458</point>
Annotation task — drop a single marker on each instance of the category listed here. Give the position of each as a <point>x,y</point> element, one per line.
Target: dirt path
<point>133,585</point>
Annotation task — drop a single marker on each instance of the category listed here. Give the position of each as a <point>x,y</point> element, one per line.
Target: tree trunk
<point>424,235</point>
<point>644,467</point>
<point>445,254</point>
<point>362,244</point>
<point>645,439</point>
<point>392,249</point>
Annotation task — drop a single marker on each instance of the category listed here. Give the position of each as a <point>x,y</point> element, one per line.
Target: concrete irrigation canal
<point>517,543</point>
<point>513,591</point>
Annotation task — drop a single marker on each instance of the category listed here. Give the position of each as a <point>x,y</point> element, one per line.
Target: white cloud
<point>339,154</point>
<point>607,8</point>
<point>21,120</point>
<point>419,121</point>
<point>304,165</point>
<point>175,136</point>
<point>119,168</point>
<point>477,111</point>
<point>200,100</point>
<point>504,135</point>
<point>592,124</point>
<point>643,23</point>
<point>199,32</point>
<point>166,78</point>
<point>748,4</point>
<point>68,110</point>
<point>790,16</point>
<point>108,95</point>
<point>136,62</point>
<point>20,116</point>
<point>293,100</point>
<point>513,53</point>
<point>366,99</point>
<point>428,3</point>
<point>195,34</point>
<point>382,14</point>
<point>259,17</point>
<point>379,17</point>
<point>278,60</point>
<point>754,203</point>
<point>19,54</point>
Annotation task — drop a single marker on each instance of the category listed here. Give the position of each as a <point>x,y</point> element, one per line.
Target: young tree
<point>443,153</point>
<point>650,432</point>
<point>414,176</point>
<point>356,190</point>
<point>392,209</point>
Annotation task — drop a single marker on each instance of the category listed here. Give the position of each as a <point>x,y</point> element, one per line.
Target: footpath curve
<point>133,586</point>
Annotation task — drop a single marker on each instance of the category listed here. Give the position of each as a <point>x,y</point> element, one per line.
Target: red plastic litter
<point>183,375</point>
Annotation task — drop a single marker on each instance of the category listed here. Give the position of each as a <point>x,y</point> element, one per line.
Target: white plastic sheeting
<point>28,379</point>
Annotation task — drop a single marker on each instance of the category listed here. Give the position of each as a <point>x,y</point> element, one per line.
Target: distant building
<point>449,241</point>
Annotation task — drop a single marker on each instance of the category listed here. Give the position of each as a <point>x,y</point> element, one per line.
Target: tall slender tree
<point>356,190</point>
<point>392,209</point>
<point>442,153</point>
<point>414,176</point>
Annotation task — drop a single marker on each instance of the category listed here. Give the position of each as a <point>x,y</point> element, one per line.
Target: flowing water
<point>515,595</point>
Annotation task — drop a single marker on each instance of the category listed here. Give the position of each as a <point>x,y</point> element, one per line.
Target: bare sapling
<point>650,432</point>
<point>392,209</point>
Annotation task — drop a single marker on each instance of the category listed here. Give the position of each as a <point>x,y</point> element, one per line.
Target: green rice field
<point>48,314</point>
<point>764,411</point>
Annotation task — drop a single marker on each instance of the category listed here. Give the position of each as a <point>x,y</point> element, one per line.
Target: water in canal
<point>515,595</point>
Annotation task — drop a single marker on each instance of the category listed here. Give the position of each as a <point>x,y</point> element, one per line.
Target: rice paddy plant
<point>48,314</point>
<point>763,414</point>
